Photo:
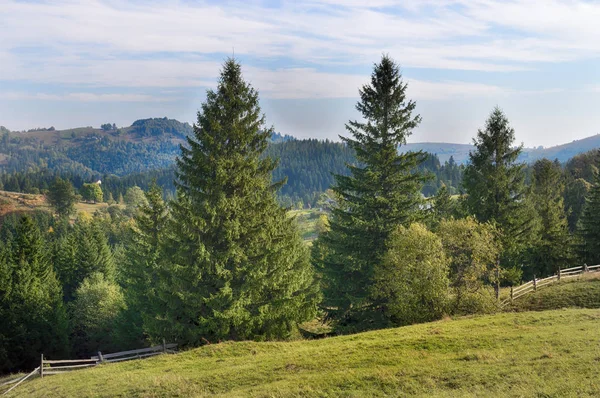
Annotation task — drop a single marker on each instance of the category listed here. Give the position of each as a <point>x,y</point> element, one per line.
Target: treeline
<point>222,260</point>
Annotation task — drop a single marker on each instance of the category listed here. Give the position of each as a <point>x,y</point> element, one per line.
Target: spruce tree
<point>554,249</point>
<point>61,196</point>
<point>33,317</point>
<point>238,268</point>
<point>142,271</point>
<point>381,192</point>
<point>495,184</point>
<point>589,224</point>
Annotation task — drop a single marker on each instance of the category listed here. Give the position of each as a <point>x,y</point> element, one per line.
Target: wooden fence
<point>58,366</point>
<point>535,284</point>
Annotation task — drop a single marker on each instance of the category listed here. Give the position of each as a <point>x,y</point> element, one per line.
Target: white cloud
<point>172,43</point>
<point>85,97</point>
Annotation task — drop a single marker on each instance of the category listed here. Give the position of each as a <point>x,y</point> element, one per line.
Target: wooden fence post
<point>511,293</point>
<point>585,268</point>
<point>100,358</point>
<point>42,367</point>
<point>559,274</point>
<point>164,346</point>
<point>534,283</point>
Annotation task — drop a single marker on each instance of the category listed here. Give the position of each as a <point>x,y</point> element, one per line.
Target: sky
<point>70,63</point>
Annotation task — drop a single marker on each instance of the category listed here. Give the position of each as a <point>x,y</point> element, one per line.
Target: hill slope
<point>460,152</point>
<point>552,353</point>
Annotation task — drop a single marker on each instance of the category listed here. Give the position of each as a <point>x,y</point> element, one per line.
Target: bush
<point>412,281</point>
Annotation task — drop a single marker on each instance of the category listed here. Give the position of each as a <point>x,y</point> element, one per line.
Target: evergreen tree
<point>589,227</point>
<point>142,272</point>
<point>554,249</point>
<point>495,184</point>
<point>381,193</point>
<point>61,196</point>
<point>443,206</point>
<point>33,317</point>
<point>237,266</point>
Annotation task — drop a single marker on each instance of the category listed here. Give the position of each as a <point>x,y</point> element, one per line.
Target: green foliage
<point>91,192</point>
<point>412,280</point>
<point>98,303</point>
<point>473,250</point>
<point>142,273</point>
<point>61,196</point>
<point>235,260</point>
<point>134,198</point>
<point>554,250</point>
<point>80,252</point>
<point>495,185</point>
<point>381,193</point>
<point>589,229</point>
<point>161,127</point>
<point>31,310</point>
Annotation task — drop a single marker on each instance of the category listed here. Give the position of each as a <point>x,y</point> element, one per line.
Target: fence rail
<point>61,366</point>
<point>535,284</point>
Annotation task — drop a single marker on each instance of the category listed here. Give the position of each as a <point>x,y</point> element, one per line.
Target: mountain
<point>460,152</point>
<point>443,150</point>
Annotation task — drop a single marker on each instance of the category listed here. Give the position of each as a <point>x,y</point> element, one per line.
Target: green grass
<point>529,354</point>
<point>581,292</point>
<point>307,223</point>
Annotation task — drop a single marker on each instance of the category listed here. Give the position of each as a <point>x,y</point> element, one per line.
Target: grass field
<point>307,220</point>
<point>528,354</point>
<point>583,292</point>
<point>22,202</point>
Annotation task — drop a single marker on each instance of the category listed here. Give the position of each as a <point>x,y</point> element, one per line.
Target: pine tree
<point>381,193</point>
<point>589,224</point>
<point>61,196</point>
<point>443,207</point>
<point>494,182</point>
<point>142,270</point>
<point>33,317</point>
<point>238,268</point>
<point>554,249</point>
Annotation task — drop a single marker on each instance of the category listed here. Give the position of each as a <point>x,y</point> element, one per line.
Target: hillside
<point>581,292</point>
<point>460,152</point>
<point>544,354</point>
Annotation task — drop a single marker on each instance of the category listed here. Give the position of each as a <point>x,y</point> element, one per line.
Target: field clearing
<point>537,354</point>
<point>22,202</point>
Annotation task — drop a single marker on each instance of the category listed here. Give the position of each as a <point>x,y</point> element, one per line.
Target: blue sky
<point>76,63</point>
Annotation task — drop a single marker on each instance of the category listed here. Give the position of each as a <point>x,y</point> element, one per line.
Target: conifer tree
<point>238,268</point>
<point>554,249</point>
<point>61,196</point>
<point>33,317</point>
<point>380,193</point>
<point>495,184</point>
<point>142,270</point>
<point>589,224</point>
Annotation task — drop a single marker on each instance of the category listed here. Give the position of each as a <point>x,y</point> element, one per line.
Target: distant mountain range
<point>169,133</point>
<point>460,152</point>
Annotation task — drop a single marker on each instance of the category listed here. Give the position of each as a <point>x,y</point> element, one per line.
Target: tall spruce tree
<point>31,309</point>
<point>142,272</point>
<point>589,224</point>
<point>495,184</point>
<point>380,193</point>
<point>554,249</point>
<point>238,268</point>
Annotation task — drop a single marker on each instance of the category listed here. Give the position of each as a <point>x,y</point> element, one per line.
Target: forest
<point>203,250</point>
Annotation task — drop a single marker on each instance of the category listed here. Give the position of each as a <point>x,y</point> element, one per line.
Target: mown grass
<point>532,354</point>
<point>582,292</point>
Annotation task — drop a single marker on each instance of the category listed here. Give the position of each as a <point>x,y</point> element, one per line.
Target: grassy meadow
<point>530,354</point>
